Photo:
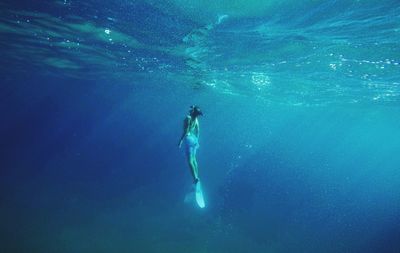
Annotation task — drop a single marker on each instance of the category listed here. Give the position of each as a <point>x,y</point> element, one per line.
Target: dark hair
<point>195,111</point>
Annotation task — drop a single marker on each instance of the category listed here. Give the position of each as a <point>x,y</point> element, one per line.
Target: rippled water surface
<point>294,52</point>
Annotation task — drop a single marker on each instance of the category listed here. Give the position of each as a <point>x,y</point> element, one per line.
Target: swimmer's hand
<point>180,144</point>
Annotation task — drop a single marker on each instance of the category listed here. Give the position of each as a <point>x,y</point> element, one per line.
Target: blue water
<point>299,146</point>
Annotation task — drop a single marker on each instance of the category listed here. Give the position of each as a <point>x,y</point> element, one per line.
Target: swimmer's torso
<point>192,126</point>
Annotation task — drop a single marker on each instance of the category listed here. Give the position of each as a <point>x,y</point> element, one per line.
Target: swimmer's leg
<point>193,167</point>
<point>196,179</point>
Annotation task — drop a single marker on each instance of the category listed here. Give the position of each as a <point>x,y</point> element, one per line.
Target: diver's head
<point>195,111</point>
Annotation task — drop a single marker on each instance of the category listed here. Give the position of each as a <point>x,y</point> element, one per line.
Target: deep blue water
<point>299,148</point>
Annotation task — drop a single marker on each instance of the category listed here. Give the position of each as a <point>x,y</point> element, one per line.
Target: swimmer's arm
<point>185,131</point>
<point>198,129</point>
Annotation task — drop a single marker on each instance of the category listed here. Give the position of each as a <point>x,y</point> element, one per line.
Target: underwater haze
<point>300,138</point>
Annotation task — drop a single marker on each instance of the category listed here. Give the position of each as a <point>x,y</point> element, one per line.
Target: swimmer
<point>190,138</point>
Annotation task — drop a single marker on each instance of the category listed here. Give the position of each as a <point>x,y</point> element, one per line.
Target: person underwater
<point>190,138</point>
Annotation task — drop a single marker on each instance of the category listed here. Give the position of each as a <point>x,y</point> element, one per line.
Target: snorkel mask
<point>195,111</point>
